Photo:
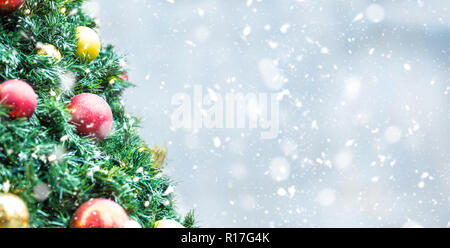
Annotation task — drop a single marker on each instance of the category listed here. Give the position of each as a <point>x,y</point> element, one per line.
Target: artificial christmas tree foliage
<point>49,148</point>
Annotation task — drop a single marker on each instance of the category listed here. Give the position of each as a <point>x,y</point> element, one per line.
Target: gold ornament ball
<point>88,43</point>
<point>49,50</point>
<point>13,211</point>
<point>112,80</point>
<point>168,224</point>
<point>159,155</point>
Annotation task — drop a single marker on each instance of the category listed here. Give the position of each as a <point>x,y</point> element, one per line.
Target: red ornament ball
<point>19,96</point>
<point>91,115</point>
<point>9,6</point>
<point>100,213</point>
<point>124,76</point>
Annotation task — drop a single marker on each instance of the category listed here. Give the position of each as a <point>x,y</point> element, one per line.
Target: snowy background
<point>364,118</point>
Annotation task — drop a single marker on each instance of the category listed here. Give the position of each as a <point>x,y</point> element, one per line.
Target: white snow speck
<point>67,81</point>
<point>247,30</point>
<point>200,12</point>
<point>349,143</point>
<point>407,67</point>
<point>281,192</point>
<point>284,28</point>
<point>343,159</point>
<point>375,13</point>
<point>425,175</point>
<point>271,74</point>
<point>279,169</point>
<point>190,43</point>
<point>314,125</point>
<point>358,17</point>
<point>392,134</point>
<point>272,44</point>
<point>326,197</point>
<point>352,87</point>
<point>217,142</point>
<point>421,184</point>
<point>291,191</point>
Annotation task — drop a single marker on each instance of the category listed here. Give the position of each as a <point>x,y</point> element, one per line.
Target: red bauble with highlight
<point>20,96</point>
<point>9,6</point>
<point>100,213</point>
<point>91,115</point>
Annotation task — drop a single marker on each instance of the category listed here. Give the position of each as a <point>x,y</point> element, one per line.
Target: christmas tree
<point>70,155</point>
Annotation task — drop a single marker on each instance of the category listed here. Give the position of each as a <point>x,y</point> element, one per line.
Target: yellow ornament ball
<point>168,224</point>
<point>49,50</point>
<point>13,211</point>
<point>88,44</point>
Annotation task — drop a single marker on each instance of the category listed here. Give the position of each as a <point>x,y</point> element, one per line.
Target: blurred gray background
<point>364,117</point>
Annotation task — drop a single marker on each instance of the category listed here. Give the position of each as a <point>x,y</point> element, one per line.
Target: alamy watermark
<point>231,110</point>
